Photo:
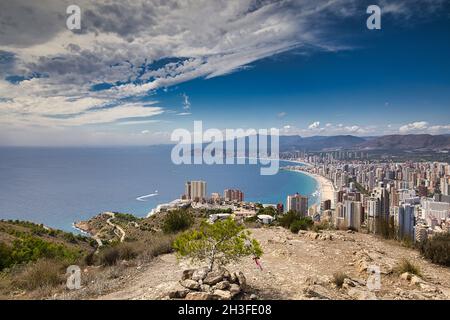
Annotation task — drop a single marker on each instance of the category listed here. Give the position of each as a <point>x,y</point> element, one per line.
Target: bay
<point>57,186</point>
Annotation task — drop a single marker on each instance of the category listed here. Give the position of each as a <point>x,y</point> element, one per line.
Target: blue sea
<point>57,186</point>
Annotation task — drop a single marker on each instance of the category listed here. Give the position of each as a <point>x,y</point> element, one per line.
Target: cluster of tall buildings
<point>400,200</point>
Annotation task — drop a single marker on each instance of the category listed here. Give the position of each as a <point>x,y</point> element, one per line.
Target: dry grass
<point>407,266</point>
<point>44,273</point>
<point>156,246</point>
<point>338,278</point>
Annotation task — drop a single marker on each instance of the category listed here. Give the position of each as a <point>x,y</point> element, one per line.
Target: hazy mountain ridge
<point>388,142</point>
<point>411,141</point>
<point>396,142</point>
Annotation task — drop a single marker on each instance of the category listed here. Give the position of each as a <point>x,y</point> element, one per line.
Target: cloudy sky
<point>139,69</point>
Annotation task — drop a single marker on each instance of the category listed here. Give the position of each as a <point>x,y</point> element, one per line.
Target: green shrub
<point>177,220</point>
<point>286,219</point>
<point>437,249</point>
<point>125,217</point>
<point>251,219</point>
<point>301,224</point>
<point>5,256</point>
<point>70,237</point>
<point>271,211</point>
<point>296,226</point>
<point>30,248</point>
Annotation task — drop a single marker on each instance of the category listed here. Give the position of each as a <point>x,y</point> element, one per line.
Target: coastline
<point>325,186</point>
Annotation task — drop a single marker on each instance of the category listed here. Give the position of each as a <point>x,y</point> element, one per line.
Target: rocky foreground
<point>200,284</point>
<point>294,266</point>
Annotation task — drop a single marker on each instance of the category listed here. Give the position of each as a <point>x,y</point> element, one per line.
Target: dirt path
<point>115,226</point>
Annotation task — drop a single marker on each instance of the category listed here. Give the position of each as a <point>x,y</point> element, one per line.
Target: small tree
<point>217,244</point>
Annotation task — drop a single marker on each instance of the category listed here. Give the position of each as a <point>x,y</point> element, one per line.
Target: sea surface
<point>57,186</point>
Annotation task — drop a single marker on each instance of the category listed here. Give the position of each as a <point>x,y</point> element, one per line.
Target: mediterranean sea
<point>57,186</point>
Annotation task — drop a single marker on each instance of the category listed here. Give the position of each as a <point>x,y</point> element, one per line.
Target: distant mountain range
<point>348,142</point>
<point>397,142</point>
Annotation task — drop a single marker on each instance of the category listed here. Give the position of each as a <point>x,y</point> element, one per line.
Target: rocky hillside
<point>330,265</point>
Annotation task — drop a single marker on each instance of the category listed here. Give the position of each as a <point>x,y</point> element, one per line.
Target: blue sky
<point>311,68</point>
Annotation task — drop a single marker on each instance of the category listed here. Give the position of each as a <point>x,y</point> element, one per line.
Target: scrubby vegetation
<point>208,212</point>
<point>40,274</point>
<point>324,225</point>
<point>407,266</point>
<point>34,258</point>
<point>177,220</point>
<point>125,217</point>
<point>293,222</point>
<point>437,249</point>
<point>30,242</point>
<point>271,211</point>
<point>20,228</point>
<point>301,224</point>
<point>217,244</point>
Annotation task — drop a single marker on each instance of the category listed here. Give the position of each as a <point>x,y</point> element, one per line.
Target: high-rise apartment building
<point>353,214</point>
<point>298,203</point>
<point>406,222</point>
<point>195,190</point>
<point>233,195</point>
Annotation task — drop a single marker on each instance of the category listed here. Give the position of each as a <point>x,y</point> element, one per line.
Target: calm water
<point>57,186</point>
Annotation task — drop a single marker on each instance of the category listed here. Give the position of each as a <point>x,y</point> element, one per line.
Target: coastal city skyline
<point>338,78</point>
<point>235,151</point>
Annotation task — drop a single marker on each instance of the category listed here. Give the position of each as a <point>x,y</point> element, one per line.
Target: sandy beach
<point>326,187</point>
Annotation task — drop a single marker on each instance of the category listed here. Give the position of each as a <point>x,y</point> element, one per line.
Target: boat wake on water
<point>144,198</point>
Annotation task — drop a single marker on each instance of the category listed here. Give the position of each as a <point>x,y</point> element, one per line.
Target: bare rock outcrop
<point>219,284</point>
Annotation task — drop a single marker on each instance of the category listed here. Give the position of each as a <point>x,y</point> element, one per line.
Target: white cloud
<point>120,41</point>
<point>439,129</point>
<point>118,37</point>
<point>314,125</point>
<point>418,126</point>
<point>424,127</point>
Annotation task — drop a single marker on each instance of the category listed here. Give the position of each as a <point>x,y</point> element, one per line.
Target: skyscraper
<point>406,222</point>
<point>195,190</point>
<point>352,214</point>
<point>298,203</point>
<point>373,213</point>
